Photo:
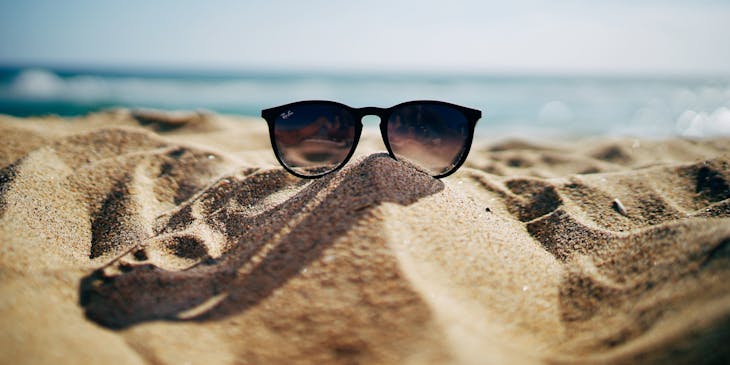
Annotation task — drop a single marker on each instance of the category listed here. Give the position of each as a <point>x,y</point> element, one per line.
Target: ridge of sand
<point>145,237</point>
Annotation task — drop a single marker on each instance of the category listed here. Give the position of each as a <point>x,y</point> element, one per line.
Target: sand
<point>144,237</point>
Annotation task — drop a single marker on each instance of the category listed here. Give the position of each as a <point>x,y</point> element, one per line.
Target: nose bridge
<point>371,110</point>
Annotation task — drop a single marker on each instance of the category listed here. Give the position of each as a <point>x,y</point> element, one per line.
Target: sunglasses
<point>315,137</point>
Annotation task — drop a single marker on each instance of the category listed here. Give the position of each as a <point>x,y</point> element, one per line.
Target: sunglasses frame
<point>270,115</point>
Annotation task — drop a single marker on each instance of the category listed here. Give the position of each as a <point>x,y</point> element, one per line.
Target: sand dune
<point>145,237</point>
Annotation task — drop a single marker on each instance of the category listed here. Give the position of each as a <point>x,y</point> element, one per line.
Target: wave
<point>40,84</point>
<point>513,106</point>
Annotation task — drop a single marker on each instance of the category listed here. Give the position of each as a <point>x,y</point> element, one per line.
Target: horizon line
<point>231,70</point>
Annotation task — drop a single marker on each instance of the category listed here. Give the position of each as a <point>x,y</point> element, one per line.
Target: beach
<point>144,237</point>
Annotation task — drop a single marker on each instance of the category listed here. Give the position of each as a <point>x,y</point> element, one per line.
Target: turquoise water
<point>513,105</point>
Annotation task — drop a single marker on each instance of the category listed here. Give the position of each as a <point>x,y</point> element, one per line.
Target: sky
<point>533,36</point>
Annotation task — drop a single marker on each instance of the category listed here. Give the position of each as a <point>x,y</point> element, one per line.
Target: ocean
<point>512,105</point>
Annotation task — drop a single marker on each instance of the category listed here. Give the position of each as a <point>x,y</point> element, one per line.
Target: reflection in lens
<point>314,139</point>
<point>432,136</point>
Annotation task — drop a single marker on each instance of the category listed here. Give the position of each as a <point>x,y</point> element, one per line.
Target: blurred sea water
<point>513,105</point>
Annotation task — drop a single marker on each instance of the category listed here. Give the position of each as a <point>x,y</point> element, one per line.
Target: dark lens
<point>430,135</point>
<point>313,139</point>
